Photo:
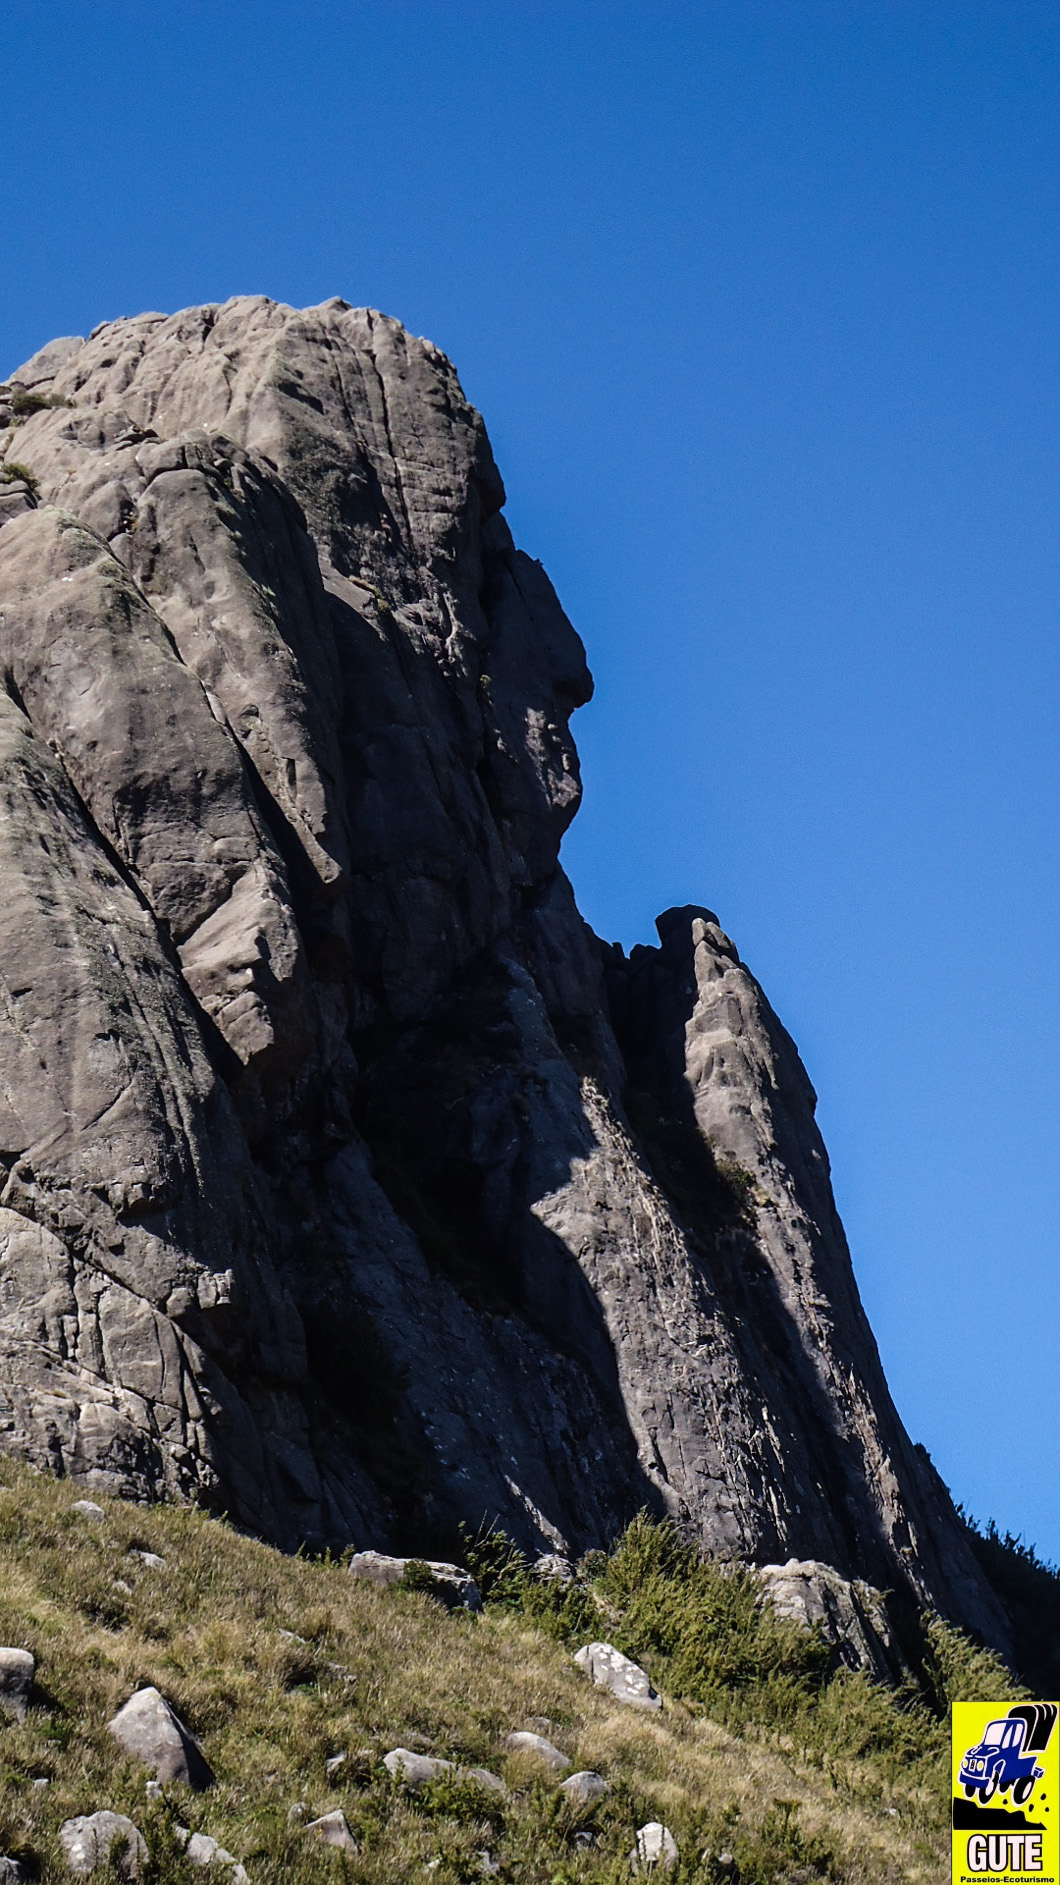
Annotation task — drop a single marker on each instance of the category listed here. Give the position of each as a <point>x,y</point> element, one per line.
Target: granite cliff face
<point>348,1182</point>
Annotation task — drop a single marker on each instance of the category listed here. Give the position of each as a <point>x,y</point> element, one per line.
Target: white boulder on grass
<point>623,1679</point>
<point>102,1839</point>
<point>656,1847</point>
<point>584,1786</point>
<point>200,1849</point>
<point>453,1585</point>
<point>523,1742</point>
<point>415,1770</point>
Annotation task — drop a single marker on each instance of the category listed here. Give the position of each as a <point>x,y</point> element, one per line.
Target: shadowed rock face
<point>348,1182</point>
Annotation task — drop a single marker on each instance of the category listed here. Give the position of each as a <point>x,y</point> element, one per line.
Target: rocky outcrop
<point>348,1182</point>
<point>852,1617</point>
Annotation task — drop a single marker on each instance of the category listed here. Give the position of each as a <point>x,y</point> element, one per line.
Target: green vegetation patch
<point>14,473</point>
<point>1029,1588</point>
<point>24,405</point>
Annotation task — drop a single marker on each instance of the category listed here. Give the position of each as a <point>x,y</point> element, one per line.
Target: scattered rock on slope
<point>149,1729</point>
<point>333,1830</point>
<point>523,1741</point>
<point>96,1840</point>
<point>412,1769</point>
<point>200,1849</point>
<point>623,1679</point>
<point>17,1669</point>
<point>585,1787</point>
<point>851,1616</point>
<point>415,1770</point>
<point>656,1847</point>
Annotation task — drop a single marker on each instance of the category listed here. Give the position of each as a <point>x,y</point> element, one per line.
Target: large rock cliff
<point>349,1183</point>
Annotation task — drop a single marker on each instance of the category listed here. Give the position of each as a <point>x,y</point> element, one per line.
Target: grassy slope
<point>793,1801</point>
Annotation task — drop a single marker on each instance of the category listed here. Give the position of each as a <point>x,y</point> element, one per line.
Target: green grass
<point>759,1752</point>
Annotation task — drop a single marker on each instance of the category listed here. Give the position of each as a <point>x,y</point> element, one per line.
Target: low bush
<point>14,473</point>
<point>707,1635</point>
<point>1029,1590</point>
<point>24,405</point>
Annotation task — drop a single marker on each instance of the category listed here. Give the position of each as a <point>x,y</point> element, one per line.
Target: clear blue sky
<point>760,302</point>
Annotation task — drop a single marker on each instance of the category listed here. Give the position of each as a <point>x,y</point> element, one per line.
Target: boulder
<point>623,1679</point>
<point>150,1730</point>
<point>98,1839</point>
<point>584,1787</point>
<point>15,497</point>
<point>851,1616</point>
<point>333,1830</point>
<point>17,1669</point>
<point>413,1770</point>
<point>655,1847</point>
<point>11,1873</point>
<point>87,1508</point>
<point>553,1568</point>
<point>454,1586</point>
<point>200,1849</point>
<point>483,1778</point>
<point>523,1742</point>
<point>150,1559</point>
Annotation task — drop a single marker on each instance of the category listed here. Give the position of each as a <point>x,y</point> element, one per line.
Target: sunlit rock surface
<point>349,1183</point>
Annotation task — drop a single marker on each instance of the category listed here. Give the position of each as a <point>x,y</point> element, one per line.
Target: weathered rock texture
<point>148,1729</point>
<point>17,1670</point>
<point>447,1582</point>
<point>851,1616</point>
<point>348,1182</point>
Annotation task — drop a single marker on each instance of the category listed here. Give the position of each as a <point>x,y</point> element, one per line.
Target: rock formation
<point>349,1184</point>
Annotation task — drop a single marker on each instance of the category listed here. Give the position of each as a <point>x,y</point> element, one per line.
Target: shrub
<point>709,1621</point>
<point>1029,1590</point>
<point>14,473</point>
<point>418,1576</point>
<point>24,405</point>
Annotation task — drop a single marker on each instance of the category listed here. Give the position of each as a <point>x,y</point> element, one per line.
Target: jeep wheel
<point>988,1789</point>
<point>969,1790</point>
<point>1022,1790</point>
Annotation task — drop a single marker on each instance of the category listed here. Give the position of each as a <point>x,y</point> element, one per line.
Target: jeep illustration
<point>1004,1757</point>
